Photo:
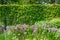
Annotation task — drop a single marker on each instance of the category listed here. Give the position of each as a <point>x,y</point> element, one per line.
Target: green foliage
<point>55,22</point>
<point>2,36</point>
<point>28,13</point>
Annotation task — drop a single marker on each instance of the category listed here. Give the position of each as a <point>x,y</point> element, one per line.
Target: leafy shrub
<point>15,14</point>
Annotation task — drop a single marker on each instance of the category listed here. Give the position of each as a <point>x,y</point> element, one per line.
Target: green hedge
<point>15,14</point>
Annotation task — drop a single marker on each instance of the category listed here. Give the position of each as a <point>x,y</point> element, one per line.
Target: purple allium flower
<point>49,25</point>
<point>17,26</point>
<point>44,25</point>
<point>22,30</point>
<point>5,30</point>
<point>34,28</point>
<point>1,27</point>
<point>53,29</point>
<point>24,25</point>
<point>20,26</point>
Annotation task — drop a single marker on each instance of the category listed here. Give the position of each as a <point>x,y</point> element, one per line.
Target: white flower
<point>25,32</point>
<point>13,34</point>
<point>19,34</point>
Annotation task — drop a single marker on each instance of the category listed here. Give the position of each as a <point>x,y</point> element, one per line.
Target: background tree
<point>3,1</point>
<point>29,1</point>
<point>52,1</point>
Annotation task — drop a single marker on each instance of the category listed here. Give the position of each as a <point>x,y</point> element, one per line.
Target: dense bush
<point>15,14</point>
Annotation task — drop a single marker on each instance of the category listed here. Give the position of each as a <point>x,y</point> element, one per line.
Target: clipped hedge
<point>15,14</point>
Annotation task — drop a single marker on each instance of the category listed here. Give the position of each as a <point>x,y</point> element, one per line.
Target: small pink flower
<point>17,26</point>
<point>5,30</point>
<point>53,29</point>
<point>1,27</point>
<point>34,28</point>
<point>23,26</point>
<point>44,25</point>
<point>22,30</point>
<point>49,25</point>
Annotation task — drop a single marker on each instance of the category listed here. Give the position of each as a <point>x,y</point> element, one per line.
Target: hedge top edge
<point>30,5</point>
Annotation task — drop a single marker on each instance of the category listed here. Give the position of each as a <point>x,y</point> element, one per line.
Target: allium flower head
<point>49,25</point>
<point>44,25</point>
<point>17,26</point>
<point>23,26</point>
<point>5,30</point>
<point>22,30</point>
<point>1,27</point>
<point>53,29</point>
<point>34,28</point>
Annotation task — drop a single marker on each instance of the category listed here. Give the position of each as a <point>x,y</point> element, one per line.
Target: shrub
<point>15,14</point>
